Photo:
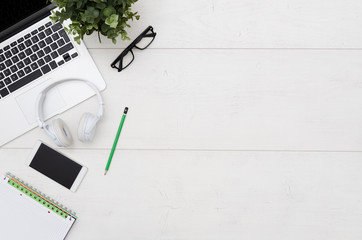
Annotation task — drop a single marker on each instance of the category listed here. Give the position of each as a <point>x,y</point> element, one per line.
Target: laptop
<point>35,53</point>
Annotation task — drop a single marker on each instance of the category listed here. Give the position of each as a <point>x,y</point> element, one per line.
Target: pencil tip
<point>125,110</point>
<point>105,172</point>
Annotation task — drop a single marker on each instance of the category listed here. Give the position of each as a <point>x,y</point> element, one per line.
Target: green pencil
<point>116,139</point>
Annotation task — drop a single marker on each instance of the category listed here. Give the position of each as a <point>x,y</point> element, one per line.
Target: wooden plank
<point>190,195</point>
<point>247,24</point>
<point>228,100</point>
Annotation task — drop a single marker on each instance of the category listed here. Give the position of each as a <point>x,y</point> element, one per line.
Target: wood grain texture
<point>244,123</point>
<point>228,100</point>
<point>247,24</point>
<point>209,194</point>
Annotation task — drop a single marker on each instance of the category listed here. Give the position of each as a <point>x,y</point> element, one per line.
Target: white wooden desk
<point>245,122</point>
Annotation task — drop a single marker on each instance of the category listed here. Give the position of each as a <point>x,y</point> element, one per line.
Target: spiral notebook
<point>28,214</point>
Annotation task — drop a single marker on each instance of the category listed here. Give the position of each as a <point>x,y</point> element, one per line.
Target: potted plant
<point>107,17</point>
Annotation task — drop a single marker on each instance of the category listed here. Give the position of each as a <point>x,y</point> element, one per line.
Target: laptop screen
<point>16,15</point>
<point>13,11</point>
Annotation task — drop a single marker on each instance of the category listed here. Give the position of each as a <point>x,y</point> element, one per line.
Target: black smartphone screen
<point>55,166</point>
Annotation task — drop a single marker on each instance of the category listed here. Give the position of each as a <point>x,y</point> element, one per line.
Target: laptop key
<point>33,57</point>
<point>54,55</point>
<point>34,32</point>
<point>54,46</point>
<point>41,35</point>
<point>28,43</point>
<point>35,48</point>
<point>48,31</point>
<point>33,66</point>
<point>41,44</point>
<point>40,53</point>
<point>55,36</point>
<point>13,44</point>
<point>21,55</point>
<point>65,48</point>
<point>14,77</point>
<point>48,40</point>
<point>41,28</point>
<point>1,76</point>
<point>47,50</point>
<point>53,64</point>
<point>28,51</point>
<point>8,54</point>
<point>74,55</point>
<point>62,33</point>
<point>7,81</point>
<point>60,42</point>
<point>13,68</point>
<point>20,40</point>
<point>20,65</point>
<point>40,62</point>
<point>14,50</point>
<point>15,59</point>
<point>2,58</point>
<point>6,48</point>
<point>7,72</point>
<point>66,38</point>
<point>25,80</point>
<point>21,46</point>
<point>4,92</point>
<point>66,57</point>
<point>35,39</point>
<point>21,74</point>
<point>48,24</point>
<point>45,69</point>
<point>61,62</point>
<point>27,70</point>
<point>47,58</point>
<point>27,61</point>
<point>2,84</point>
<point>2,66</point>
<point>27,36</point>
<point>8,63</point>
<point>56,27</point>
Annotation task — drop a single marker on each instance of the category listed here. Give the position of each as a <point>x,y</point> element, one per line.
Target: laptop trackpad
<point>53,103</point>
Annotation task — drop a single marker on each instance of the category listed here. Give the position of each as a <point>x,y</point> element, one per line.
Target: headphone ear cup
<point>60,132</point>
<point>87,127</point>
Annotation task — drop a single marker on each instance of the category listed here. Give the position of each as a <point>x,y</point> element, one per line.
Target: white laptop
<point>33,54</point>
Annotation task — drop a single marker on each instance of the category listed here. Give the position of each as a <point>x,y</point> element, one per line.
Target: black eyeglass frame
<point>131,46</point>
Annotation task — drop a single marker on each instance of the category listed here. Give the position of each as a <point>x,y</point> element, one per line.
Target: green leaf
<point>108,11</point>
<point>104,28</point>
<point>77,39</point>
<point>101,5</point>
<point>91,12</point>
<point>112,20</point>
<point>79,3</point>
<point>108,17</point>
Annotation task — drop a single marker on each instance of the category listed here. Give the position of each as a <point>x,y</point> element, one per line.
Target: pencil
<point>116,140</point>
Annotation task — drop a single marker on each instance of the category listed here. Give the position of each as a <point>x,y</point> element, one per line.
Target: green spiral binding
<point>41,199</point>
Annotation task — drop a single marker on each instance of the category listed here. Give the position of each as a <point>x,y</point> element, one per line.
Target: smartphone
<point>56,166</point>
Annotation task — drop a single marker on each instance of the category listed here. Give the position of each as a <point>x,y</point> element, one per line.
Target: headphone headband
<point>41,98</point>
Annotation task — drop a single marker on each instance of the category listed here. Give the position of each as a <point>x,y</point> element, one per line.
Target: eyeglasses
<point>141,42</point>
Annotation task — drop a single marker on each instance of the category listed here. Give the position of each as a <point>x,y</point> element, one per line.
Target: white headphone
<point>58,130</point>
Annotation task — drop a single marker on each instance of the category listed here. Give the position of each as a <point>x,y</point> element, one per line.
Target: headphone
<point>58,130</point>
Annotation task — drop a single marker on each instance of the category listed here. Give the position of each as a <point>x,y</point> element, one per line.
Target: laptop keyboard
<point>33,55</point>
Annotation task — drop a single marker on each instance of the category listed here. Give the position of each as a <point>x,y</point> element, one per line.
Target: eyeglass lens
<point>126,60</point>
<point>145,41</point>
